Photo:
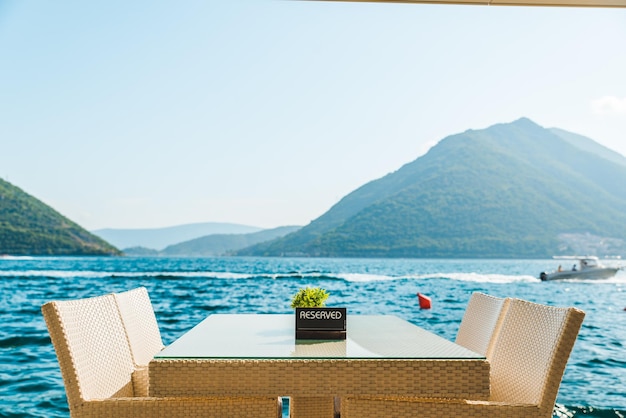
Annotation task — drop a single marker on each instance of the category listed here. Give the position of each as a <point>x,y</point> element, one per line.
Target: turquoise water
<point>186,290</point>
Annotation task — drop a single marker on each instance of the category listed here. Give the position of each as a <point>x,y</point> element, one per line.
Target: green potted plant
<point>314,321</point>
<point>310,297</point>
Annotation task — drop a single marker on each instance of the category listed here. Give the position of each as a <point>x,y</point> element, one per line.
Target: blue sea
<point>186,290</point>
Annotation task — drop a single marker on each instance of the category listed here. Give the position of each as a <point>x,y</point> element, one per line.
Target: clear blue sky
<point>141,114</point>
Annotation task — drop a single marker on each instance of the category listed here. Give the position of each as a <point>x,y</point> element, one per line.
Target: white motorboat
<point>584,268</point>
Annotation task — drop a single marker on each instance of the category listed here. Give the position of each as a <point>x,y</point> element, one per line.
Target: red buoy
<point>424,301</point>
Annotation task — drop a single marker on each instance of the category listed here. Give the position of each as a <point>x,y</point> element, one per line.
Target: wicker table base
<point>439,368</point>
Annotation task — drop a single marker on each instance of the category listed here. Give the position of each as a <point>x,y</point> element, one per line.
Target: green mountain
<point>511,190</point>
<point>30,227</point>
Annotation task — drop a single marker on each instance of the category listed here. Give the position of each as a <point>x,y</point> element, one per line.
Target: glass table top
<point>258,336</point>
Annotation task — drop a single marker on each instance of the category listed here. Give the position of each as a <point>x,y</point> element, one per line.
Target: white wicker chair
<point>142,331</point>
<point>479,322</point>
<point>140,324</point>
<point>528,359</point>
<point>97,368</point>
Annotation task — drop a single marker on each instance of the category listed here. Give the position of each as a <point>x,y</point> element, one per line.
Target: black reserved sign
<point>312,323</point>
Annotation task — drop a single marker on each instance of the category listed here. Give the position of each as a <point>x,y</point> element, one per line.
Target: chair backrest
<point>140,323</point>
<point>479,322</point>
<point>530,352</point>
<point>92,349</point>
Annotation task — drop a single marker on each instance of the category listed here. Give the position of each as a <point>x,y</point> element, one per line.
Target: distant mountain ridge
<point>214,245</point>
<point>30,227</point>
<point>159,238</point>
<point>510,190</point>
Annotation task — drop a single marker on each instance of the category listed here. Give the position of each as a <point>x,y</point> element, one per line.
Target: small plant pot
<point>321,323</point>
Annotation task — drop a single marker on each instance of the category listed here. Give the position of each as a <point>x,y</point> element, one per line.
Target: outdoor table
<point>258,355</point>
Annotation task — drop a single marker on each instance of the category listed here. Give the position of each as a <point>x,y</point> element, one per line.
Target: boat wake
<point>489,278</point>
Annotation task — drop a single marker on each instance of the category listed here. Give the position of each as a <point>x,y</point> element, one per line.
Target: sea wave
<point>566,411</point>
<point>464,277</point>
<point>125,274</point>
<point>362,277</point>
<point>348,277</point>
<point>482,278</point>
